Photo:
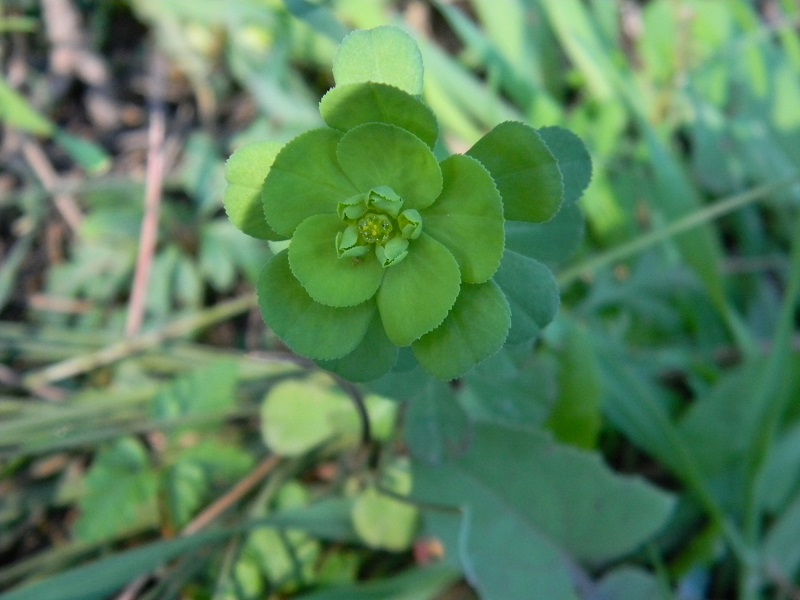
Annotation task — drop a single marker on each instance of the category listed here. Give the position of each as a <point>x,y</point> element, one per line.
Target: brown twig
<point>44,171</point>
<point>130,347</point>
<point>153,188</point>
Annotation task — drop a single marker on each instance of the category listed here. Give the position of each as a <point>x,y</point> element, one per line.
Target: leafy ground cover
<point>157,440</point>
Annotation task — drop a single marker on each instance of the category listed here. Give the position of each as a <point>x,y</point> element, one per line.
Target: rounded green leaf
<point>573,161</point>
<point>552,242</point>
<point>298,416</point>
<point>468,218</point>
<point>328,279</point>
<point>245,172</point>
<point>305,179</point>
<point>417,293</point>
<point>347,106</point>
<point>532,293</point>
<point>373,357</point>
<point>383,55</point>
<point>376,154</point>
<point>473,331</point>
<point>307,327</point>
<point>382,520</point>
<point>524,169</point>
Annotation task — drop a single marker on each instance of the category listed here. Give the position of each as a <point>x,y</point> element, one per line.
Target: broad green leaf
<point>512,397</point>
<point>414,584</point>
<point>557,503</point>
<point>576,418</point>
<point>474,329</point>
<point>552,242</point>
<point>305,180</point>
<point>383,55</point>
<point>373,357</point>
<point>376,154</point>
<point>417,293</point>
<point>298,416</point>
<point>532,294</point>
<point>347,106</point>
<point>245,173</point>
<point>468,218</point>
<point>573,159</point>
<point>524,169</point>
<point>781,550</point>
<point>383,521</point>
<point>328,279</point>
<point>631,583</point>
<point>307,327</point>
<point>121,492</point>
<point>436,427</point>
<point>781,475</point>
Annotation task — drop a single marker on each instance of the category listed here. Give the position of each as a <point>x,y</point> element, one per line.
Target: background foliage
<point>647,446</point>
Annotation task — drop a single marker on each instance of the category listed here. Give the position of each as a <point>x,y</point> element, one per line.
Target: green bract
<point>391,247</point>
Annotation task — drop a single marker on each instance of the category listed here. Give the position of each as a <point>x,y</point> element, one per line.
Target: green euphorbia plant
<point>390,245</point>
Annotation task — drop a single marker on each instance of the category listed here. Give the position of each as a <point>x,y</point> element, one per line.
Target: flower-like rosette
<point>375,219</point>
<point>390,247</point>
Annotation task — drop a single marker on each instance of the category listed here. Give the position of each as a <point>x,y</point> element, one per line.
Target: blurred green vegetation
<point>178,455</point>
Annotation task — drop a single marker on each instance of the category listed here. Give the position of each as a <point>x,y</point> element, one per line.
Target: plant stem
<point>700,217</point>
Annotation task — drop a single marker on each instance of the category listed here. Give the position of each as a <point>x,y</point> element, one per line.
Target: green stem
<point>643,242</point>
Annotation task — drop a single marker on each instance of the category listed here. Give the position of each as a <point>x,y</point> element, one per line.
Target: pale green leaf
<point>298,416</point>
<point>384,521</point>
<point>383,55</point>
<point>17,112</point>
<point>245,172</point>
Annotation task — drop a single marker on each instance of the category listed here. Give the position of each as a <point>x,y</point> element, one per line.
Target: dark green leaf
<point>532,294</point>
<point>307,327</point>
<point>524,169</point>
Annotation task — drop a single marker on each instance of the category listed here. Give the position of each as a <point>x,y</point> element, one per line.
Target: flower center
<point>375,221</point>
<point>375,228</point>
